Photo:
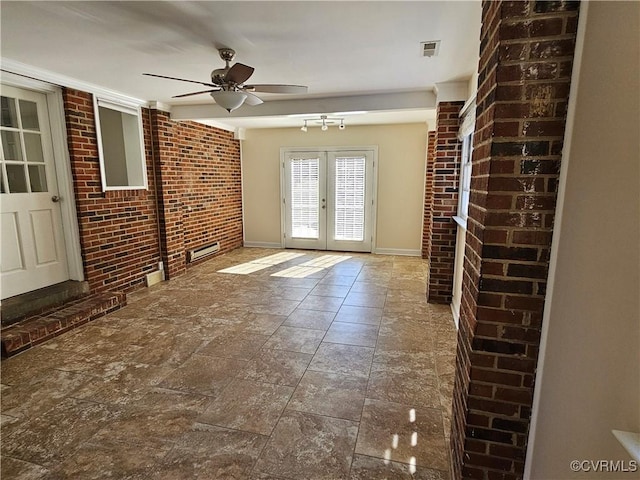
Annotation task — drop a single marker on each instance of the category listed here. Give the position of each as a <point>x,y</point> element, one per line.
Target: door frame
<point>62,163</point>
<point>284,151</point>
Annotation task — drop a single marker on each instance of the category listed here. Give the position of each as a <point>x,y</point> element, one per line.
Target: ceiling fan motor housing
<point>218,75</point>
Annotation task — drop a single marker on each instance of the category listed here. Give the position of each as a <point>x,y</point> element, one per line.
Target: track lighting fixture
<point>324,121</point>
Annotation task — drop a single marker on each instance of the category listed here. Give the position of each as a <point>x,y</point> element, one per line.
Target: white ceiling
<point>351,50</point>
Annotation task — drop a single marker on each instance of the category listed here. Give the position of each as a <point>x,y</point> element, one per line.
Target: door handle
<point>55,199</point>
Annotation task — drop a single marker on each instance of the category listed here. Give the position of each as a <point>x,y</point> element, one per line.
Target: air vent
<point>198,253</point>
<point>430,49</point>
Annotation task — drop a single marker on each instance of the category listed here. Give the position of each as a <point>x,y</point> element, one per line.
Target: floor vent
<point>201,252</point>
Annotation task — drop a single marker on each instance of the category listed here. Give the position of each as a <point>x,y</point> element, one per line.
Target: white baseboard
<point>262,245</point>
<point>398,251</point>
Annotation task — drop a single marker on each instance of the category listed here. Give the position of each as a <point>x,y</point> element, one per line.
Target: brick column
<point>444,201</point>
<point>427,228</point>
<point>525,67</point>
<point>169,179</point>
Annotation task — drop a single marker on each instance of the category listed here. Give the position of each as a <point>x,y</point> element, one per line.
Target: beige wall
<point>401,168</point>
<point>589,378</point>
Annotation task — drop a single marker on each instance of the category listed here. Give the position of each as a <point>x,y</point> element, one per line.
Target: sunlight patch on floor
<point>297,272</point>
<point>278,258</point>
<point>326,261</point>
<point>303,270</point>
<point>261,263</point>
<point>312,266</point>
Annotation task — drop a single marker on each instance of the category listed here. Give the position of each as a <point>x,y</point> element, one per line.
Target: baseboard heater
<point>198,253</point>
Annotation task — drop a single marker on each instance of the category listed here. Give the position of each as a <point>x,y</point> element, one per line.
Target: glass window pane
<point>17,179</point>
<point>33,147</point>
<point>305,185</point>
<point>2,190</point>
<point>349,198</point>
<point>122,158</point>
<point>9,117</point>
<point>38,178</point>
<point>11,146</point>
<point>29,115</point>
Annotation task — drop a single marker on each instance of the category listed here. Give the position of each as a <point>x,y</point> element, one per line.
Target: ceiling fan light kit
<point>228,87</point>
<point>324,121</point>
<point>229,100</point>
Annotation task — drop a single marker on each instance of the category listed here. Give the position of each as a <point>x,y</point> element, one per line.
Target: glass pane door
<point>328,200</point>
<point>350,186</point>
<point>305,200</point>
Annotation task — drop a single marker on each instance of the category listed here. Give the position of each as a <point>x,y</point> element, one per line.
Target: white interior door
<point>328,199</point>
<point>33,251</point>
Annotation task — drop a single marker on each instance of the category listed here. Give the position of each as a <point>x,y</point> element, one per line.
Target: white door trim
<point>329,149</point>
<point>62,163</point>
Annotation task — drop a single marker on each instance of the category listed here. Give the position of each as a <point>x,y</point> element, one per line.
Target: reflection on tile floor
<point>244,373</point>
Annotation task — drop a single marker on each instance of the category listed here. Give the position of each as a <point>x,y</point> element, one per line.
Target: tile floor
<point>333,368</point>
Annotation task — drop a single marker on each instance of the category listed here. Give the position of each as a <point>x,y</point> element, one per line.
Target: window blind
<point>349,198</point>
<point>305,191</point>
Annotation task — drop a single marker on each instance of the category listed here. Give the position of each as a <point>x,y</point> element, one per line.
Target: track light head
<point>324,121</point>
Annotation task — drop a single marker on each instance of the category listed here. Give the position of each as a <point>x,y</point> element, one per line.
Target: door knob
<point>55,199</point>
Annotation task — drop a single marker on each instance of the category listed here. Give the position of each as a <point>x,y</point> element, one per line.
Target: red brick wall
<point>212,195</point>
<point>428,196</point>
<point>118,232</point>
<point>446,172</point>
<point>199,197</point>
<point>201,192</point>
<point>524,77</point>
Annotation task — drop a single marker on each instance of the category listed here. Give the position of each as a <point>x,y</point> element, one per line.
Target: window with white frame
<point>120,145</point>
<point>465,176</point>
<point>465,134</point>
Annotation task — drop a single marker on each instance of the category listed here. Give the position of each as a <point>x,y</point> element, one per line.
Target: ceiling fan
<point>228,86</point>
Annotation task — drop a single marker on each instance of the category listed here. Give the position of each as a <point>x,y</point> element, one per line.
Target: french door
<point>328,199</point>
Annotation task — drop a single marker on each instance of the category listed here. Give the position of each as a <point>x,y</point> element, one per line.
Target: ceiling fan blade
<point>180,79</point>
<point>252,99</point>
<point>273,88</point>
<point>194,93</point>
<point>239,73</point>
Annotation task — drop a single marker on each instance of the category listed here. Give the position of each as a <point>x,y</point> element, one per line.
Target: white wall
<point>401,175</point>
<point>589,366</point>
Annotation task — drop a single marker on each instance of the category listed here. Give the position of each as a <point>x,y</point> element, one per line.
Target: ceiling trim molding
<point>311,106</point>
<point>12,66</point>
<point>165,107</point>
<point>452,91</point>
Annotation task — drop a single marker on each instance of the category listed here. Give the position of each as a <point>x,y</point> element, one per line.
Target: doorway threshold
<point>36,329</point>
<point>16,308</point>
